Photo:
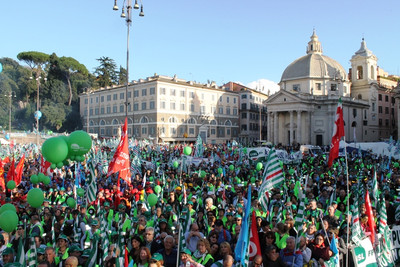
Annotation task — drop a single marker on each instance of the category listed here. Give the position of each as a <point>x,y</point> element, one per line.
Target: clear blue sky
<point>220,40</point>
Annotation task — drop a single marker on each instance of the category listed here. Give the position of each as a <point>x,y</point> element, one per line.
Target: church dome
<point>314,65</point>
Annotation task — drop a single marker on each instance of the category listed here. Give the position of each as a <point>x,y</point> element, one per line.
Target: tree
<point>122,75</point>
<point>106,72</point>
<point>66,67</point>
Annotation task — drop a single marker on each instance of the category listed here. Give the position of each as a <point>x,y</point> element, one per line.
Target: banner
<point>364,254</point>
<point>396,243</point>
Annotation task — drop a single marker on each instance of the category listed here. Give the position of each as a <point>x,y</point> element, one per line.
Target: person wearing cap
<point>157,259</point>
<point>8,255</point>
<point>40,253</point>
<point>187,260</point>
<point>61,249</point>
<point>76,251</point>
<point>61,197</point>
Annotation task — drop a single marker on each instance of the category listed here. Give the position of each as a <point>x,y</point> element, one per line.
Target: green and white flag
<point>21,253</point>
<point>272,178</point>
<point>91,189</point>
<point>184,226</point>
<point>356,232</point>
<point>93,253</point>
<point>32,258</point>
<point>384,248</point>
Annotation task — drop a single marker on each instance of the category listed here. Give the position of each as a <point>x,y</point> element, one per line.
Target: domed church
<point>303,110</point>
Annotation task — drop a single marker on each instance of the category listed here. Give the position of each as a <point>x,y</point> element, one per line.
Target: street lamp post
<point>88,93</point>
<point>128,17</point>
<point>38,113</point>
<point>10,95</point>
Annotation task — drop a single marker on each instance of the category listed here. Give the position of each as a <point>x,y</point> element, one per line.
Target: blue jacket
<point>290,258</point>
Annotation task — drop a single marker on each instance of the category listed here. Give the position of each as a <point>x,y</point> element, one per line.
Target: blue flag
<point>243,240</point>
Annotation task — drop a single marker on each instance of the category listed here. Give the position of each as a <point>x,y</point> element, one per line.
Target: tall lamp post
<point>88,93</point>
<point>10,95</point>
<point>38,114</point>
<point>128,17</point>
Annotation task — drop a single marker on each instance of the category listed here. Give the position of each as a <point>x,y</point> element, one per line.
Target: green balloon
<point>53,166</point>
<point>253,180</point>
<point>35,197</point>
<point>176,164</point>
<point>203,174</point>
<point>8,221</point>
<point>6,207</point>
<point>41,177</point>
<point>157,189</point>
<point>71,202</point>
<point>259,166</point>
<point>34,179</point>
<point>60,165</point>
<point>219,170</point>
<point>80,192</point>
<point>187,150</point>
<point>152,200</point>
<point>55,150</point>
<point>11,185</point>
<point>291,171</point>
<point>396,165</point>
<point>231,167</point>
<point>79,143</point>
<point>46,180</point>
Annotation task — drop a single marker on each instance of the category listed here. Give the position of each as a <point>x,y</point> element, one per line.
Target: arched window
<point>102,122</point>
<point>228,123</point>
<point>372,72</point>
<point>359,96</point>
<point>91,123</point>
<point>130,121</point>
<point>191,121</point>
<point>115,122</point>
<point>354,124</point>
<point>213,122</point>
<point>144,120</point>
<point>359,72</point>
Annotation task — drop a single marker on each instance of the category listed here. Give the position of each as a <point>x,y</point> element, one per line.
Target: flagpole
<point>348,199</point>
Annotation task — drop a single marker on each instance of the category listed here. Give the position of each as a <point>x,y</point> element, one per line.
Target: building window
<point>191,107</point>
<point>380,97</point>
<point>172,130</point>
<point>162,104</point>
<point>333,86</point>
<point>318,86</point>
<point>354,112</point>
<point>244,106</point>
<point>102,99</point>
<point>162,91</point>
<point>191,131</point>
<point>386,110</point>
<point>221,110</point>
<point>173,92</point>
<point>234,100</point>
<point>244,96</point>
<point>386,98</point>
<point>152,130</point>
<point>115,109</point>
<point>144,106</point>
<point>121,108</point>
<point>102,110</point>
<point>244,127</point>
<point>86,101</point>
<point>152,90</point>
<point>172,105</point>
<point>121,95</point>
<point>152,104</point>
<point>228,111</point>
<point>129,94</point>
<point>144,130</point>
<point>220,99</point>
<point>202,109</point>
<point>191,94</point>
<point>182,93</point>
<point>296,87</point>
<point>144,92</point>
<point>228,131</point>
<point>359,72</point>
<point>136,107</point>
<point>380,109</point>
<point>109,98</point>
<point>373,106</point>
<point>235,111</point>
<point>202,96</point>
<point>386,122</point>
<point>182,106</point>
<point>136,93</point>
<point>115,96</point>
<point>380,122</point>
<point>96,111</point>
<point>227,99</point>
<point>212,131</point>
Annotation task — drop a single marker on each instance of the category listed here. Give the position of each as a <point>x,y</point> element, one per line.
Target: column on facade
<point>299,126</point>
<point>291,128</point>
<point>311,128</point>
<point>268,127</point>
<point>276,130</point>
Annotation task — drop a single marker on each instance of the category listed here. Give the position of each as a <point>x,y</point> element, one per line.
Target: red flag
<point>2,182</point>
<point>45,166</point>
<point>254,243</point>
<point>338,133</point>
<point>19,169</point>
<point>120,162</point>
<point>5,161</point>
<point>11,171</point>
<point>371,221</point>
<point>126,260</point>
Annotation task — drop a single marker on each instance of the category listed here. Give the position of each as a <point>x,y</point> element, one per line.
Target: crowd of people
<point>121,227</point>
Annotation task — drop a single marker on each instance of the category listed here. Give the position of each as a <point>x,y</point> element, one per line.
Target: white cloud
<point>264,85</point>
